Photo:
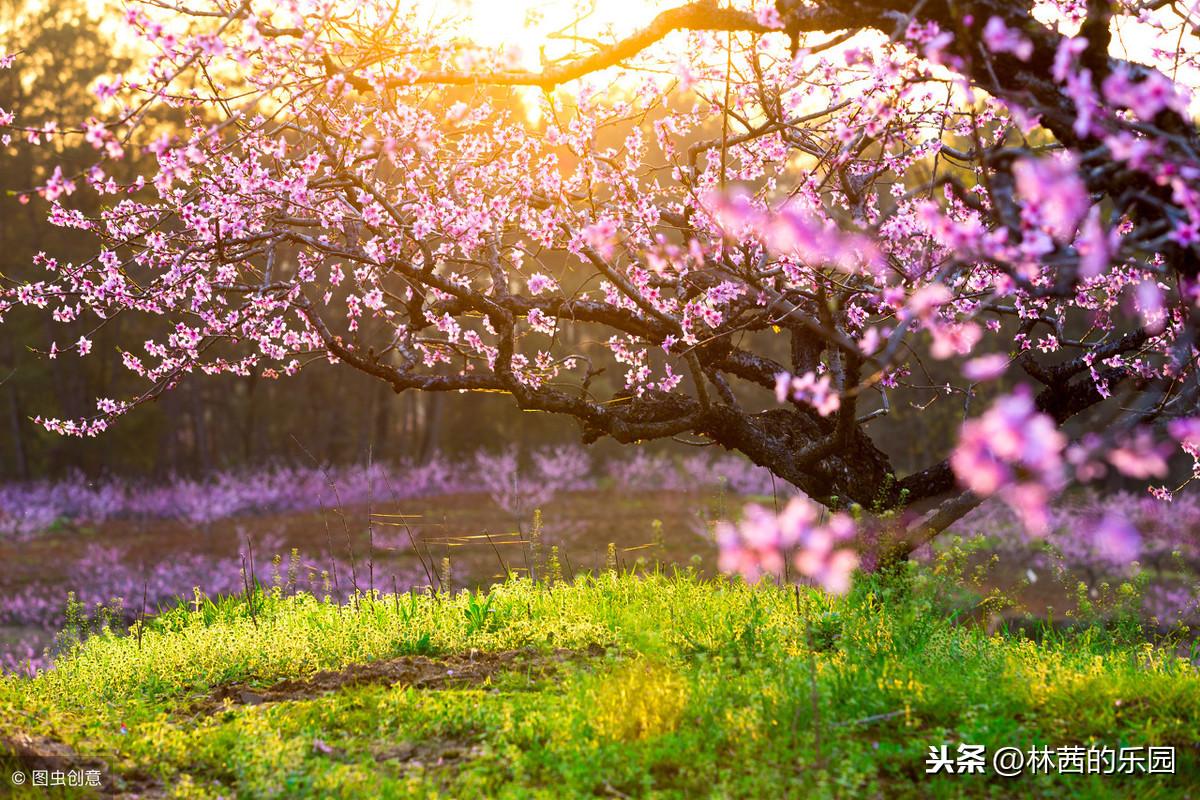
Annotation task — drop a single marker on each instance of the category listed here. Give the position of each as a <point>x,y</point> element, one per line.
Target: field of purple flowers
<point>119,545</point>
<point>1089,548</point>
<point>124,548</point>
<point>517,483</point>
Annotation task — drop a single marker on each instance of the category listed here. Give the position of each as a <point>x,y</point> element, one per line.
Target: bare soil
<point>27,752</point>
<point>420,672</point>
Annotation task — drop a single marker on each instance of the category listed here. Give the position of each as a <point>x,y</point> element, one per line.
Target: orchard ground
<point>613,684</point>
<point>628,671</point>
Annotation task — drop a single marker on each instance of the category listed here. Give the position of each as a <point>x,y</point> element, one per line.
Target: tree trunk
<point>431,429</point>
<point>20,455</point>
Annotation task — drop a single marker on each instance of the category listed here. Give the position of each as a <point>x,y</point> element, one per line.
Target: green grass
<point>691,688</point>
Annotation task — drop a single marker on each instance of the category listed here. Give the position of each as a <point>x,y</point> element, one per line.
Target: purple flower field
<point>210,527</point>
<point>1094,538</point>
<point>230,509</point>
<point>516,485</point>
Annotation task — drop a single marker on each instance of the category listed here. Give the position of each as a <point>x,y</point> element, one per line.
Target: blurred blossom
<point>927,300</point>
<point>1147,97</point>
<point>75,500</point>
<point>985,368</point>
<point>762,541</point>
<point>1015,451</point>
<point>601,236</point>
<point>794,230</point>
<point>1082,455</point>
<point>807,388</point>
<point>1054,194</point>
<point>1139,456</point>
<point>1099,535</point>
<point>1000,38</point>
<point>518,490</point>
<point>954,339</point>
<point>1151,305</point>
<point>1095,245</point>
<point>1116,539</point>
<point>1187,432</point>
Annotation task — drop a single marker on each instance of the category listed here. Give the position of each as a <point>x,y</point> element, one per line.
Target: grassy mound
<point>615,685</point>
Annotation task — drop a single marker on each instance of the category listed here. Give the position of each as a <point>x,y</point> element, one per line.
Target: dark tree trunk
<point>431,429</point>
<point>20,456</point>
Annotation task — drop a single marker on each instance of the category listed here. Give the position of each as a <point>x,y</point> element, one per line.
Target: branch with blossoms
<point>751,238</point>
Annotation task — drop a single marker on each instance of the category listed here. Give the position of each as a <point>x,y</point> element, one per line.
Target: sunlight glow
<point>533,33</point>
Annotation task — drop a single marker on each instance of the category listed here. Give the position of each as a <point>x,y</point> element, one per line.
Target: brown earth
<point>420,672</point>
<point>26,752</point>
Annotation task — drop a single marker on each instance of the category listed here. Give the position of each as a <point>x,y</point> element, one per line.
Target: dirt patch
<point>26,753</point>
<point>433,753</point>
<point>421,672</point>
<point>429,754</point>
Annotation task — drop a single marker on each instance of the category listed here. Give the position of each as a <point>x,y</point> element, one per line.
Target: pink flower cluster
<point>763,541</point>
<point>1015,451</point>
<point>1000,38</point>
<point>808,388</point>
<point>1056,198</point>
<point>794,231</point>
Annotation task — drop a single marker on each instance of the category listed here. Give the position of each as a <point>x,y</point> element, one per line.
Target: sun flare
<point>533,33</point>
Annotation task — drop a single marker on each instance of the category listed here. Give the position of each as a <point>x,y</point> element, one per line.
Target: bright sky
<point>532,27</point>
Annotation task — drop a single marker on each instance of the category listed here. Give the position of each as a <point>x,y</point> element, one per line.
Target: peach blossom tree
<point>743,223</point>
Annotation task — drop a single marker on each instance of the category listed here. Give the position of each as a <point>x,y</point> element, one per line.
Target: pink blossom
<point>1054,193</point>
<point>796,231</point>
<point>1096,246</point>
<point>954,339</point>
<point>927,300</point>
<point>1145,98</point>
<point>58,185</point>
<point>1015,450</point>
<point>374,300</point>
<point>1187,432</point>
<point>1150,305</point>
<point>539,283</point>
<point>807,388</point>
<point>1067,56</point>
<point>1140,457</point>
<point>601,236</point>
<point>768,16</point>
<point>986,368</point>
<point>1161,493</point>
<point>1000,38</point>
<point>763,541</point>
